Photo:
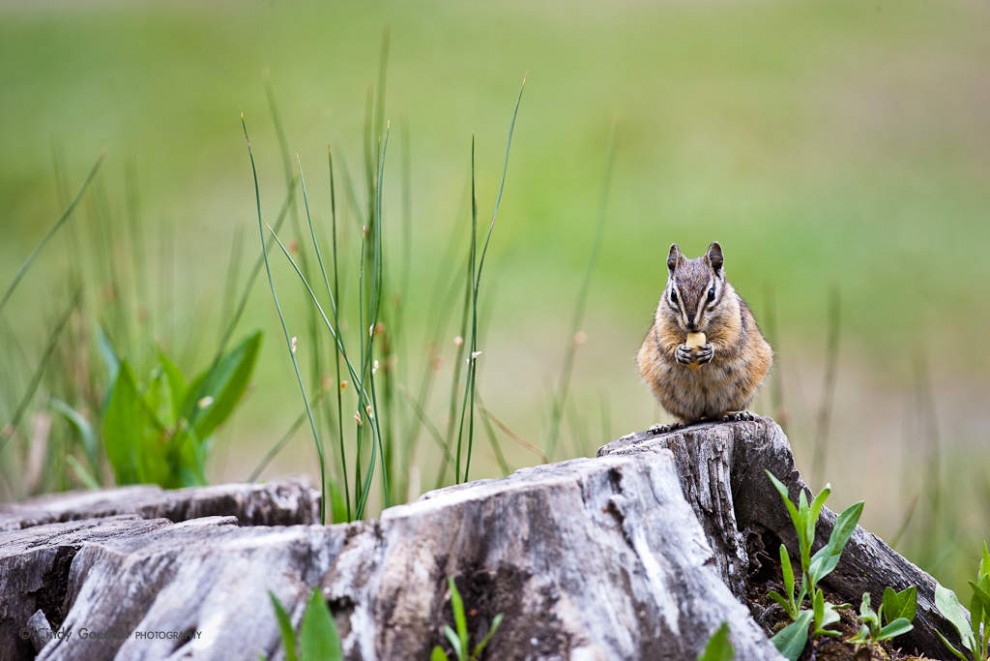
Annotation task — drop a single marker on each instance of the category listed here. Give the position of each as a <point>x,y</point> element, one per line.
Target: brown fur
<point>740,358</point>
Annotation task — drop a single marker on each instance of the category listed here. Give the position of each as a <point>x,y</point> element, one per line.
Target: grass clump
<point>371,414</point>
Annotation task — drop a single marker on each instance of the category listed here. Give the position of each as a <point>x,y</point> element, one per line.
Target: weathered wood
<point>639,553</point>
<point>742,452</point>
<point>278,503</point>
<point>593,558</point>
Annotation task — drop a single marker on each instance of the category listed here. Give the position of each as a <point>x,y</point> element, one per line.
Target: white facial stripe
<point>702,304</point>
<point>681,307</point>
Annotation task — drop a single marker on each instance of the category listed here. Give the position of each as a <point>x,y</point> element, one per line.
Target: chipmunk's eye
<point>711,294</point>
<point>673,297</point>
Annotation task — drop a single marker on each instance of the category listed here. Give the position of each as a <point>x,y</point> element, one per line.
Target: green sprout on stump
<point>459,640</point>
<point>790,640</point>
<point>318,638</point>
<point>974,631</point>
<point>892,619</point>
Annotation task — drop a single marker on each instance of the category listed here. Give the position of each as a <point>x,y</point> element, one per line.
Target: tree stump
<point>641,552</point>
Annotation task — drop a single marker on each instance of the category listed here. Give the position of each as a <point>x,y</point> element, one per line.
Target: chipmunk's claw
<point>739,416</point>
<point>664,429</point>
<point>684,355</point>
<point>704,354</point>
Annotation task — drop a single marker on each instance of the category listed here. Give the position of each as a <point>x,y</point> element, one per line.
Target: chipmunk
<point>718,379</point>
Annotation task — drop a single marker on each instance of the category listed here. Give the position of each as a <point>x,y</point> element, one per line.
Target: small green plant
<point>318,637</point>
<point>790,640</point>
<point>719,647</point>
<point>974,631</point>
<point>159,431</point>
<point>892,619</point>
<point>459,640</point>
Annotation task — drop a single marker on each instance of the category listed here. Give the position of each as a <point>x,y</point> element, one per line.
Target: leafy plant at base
<point>790,640</point>
<point>318,637</point>
<point>974,631</point>
<point>892,619</point>
<point>459,640</point>
<point>159,432</point>
<point>719,647</point>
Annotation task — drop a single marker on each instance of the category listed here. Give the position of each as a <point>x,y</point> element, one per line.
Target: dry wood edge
<point>708,454</point>
<point>602,558</point>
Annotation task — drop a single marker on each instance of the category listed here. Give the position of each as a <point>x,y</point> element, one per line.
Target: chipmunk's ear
<point>714,257</point>
<point>673,257</point>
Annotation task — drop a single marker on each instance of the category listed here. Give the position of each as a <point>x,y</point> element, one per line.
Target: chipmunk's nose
<point>692,327</point>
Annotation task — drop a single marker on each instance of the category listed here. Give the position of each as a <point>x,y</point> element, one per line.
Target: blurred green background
<point>841,146</point>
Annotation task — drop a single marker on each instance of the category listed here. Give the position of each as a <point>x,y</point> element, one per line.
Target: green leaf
<point>319,639</point>
<point>979,605</point>
<point>788,573</point>
<point>480,647</point>
<point>132,437</point>
<point>457,605</point>
<point>82,427</point>
<point>212,396</point>
<point>862,636</point>
<point>158,399</point>
<point>898,627</point>
<point>825,561</point>
<point>455,642</point>
<point>111,362</point>
<point>984,562</point>
<point>779,598</point>
<point>867,614</point>
<point>187,456</point>
<point>796,518</point>
<point>719,647</point>
<point>830,617</point>
<point>816,510</point>
<point>950,647</point>
<point>438,654</point>
<point>899,604</point>
<point>818,607</point>
<point>338,506</point>
<point>790,640</point>
<point>176,382</point>
<point>284,627</point>
<point>948,605</point>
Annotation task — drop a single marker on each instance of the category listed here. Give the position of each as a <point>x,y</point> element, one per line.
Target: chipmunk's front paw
<point>684,355</point>
<point>663,429</point>
<point>739,416</point>
<point>704,354</point>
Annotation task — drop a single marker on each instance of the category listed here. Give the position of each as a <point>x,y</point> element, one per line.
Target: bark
<point>640,553</point>
<point>723,472</point>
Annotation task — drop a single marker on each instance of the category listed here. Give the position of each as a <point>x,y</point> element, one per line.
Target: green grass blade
<point>6,431</point>
<point>473,368</point>
<point>460,618</point>
<point>50,233</point>
<point>284,627</point>
<point>480,647</point>
<point>285,329</point>
<point>472,311</point>
<point>335,298</point>
<point>255,270</point>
